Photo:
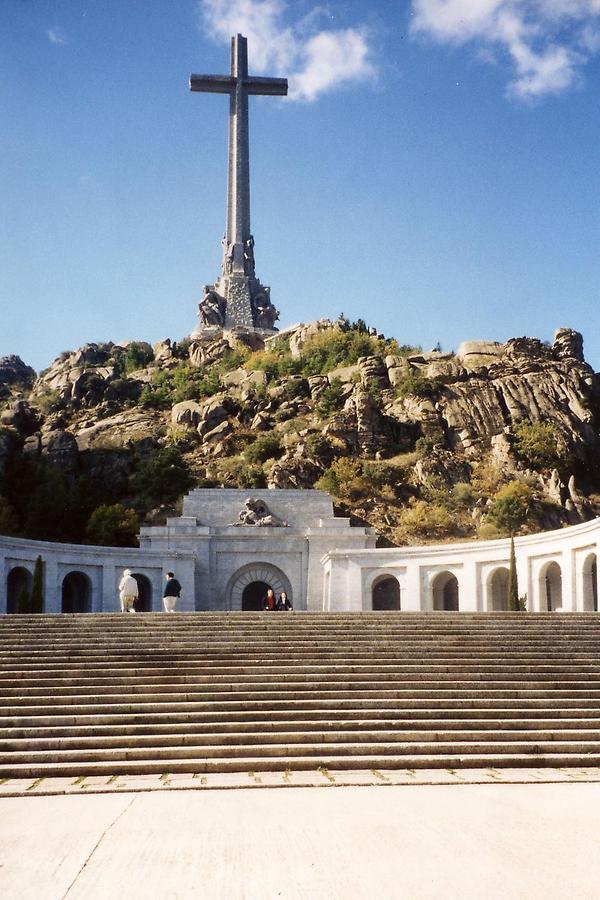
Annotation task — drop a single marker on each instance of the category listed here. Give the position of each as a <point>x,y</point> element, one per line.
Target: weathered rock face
<point>80,377</point>
<point>59,449</point>
<point>202,354</point>
<point>22,417</point>
<point>122,430</point>
<point>430,420</point>
<point>14,372</point>
<point>163,350</point>
<point>304,333</point>
<point>476,410</point>
<point>568,344</point>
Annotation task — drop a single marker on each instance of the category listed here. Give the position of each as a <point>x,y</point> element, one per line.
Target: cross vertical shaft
<point>238,181</point>
<point>238,299</point>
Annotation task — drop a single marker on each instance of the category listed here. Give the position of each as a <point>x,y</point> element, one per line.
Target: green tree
<point>163,476</point>
<point>8,518</point>
<point>540,446</point>
<point>46,513</point>
<point>514,604</point>
<point>36,598</point>
<point>331,399</point>
<point>112,526</point>
<point>510,506</point>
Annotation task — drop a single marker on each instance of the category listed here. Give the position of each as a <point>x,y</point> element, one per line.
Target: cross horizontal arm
<point>212,84</point>
<point>272,86</point>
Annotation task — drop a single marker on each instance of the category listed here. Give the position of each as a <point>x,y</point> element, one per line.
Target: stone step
<point>137,753</point>
<point>181,739</point>
<point>212,725</point>
<point>124,706</point>
<point>325,763</point>
<point>285,720</point>
<point>346,691</point>
<point>302,681</point>
<point>110,694</point>
<point>325,713</point>
<point>109,684</point>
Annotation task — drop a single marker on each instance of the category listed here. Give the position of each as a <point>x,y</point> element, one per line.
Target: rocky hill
<point>490,439</point>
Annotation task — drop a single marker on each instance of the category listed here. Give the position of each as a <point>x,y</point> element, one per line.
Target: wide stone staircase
<point>215,692</point>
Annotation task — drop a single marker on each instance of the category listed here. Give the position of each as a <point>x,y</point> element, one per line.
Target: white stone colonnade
<point>85,579</point>
<point>556,570</point>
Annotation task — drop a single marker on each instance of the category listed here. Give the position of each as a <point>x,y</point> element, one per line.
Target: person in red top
<point>269,601</point>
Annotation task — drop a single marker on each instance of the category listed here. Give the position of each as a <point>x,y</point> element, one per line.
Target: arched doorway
<point>264,574</point>
<point>76,593</point>
<point>385,593</point>
<point>144,600</point>
<point>590,583</point>
<point>445,592</point>
<point>18,590</point>
<point>253,596</point>
<point>497,600</point>
<point>551,588</point>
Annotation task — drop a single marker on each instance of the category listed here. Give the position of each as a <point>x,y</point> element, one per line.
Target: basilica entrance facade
<point>247,588</point>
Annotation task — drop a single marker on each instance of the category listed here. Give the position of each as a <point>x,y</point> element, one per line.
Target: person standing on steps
<point>284,602</point>
<point>270,602</point>
<point>171,593</point>
<point>128,591</point>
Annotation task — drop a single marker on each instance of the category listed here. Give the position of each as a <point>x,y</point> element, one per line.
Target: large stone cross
<point>241,292</point>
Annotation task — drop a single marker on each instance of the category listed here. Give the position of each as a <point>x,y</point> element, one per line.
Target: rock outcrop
<point>384,427</point>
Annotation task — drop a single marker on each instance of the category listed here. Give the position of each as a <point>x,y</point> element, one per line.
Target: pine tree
<point>36,600</point>
<point>513,584</point>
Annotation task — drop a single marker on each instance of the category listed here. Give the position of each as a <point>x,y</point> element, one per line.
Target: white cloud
<point>547,41</point>
<point>57,35</point>
<point>314,59</point>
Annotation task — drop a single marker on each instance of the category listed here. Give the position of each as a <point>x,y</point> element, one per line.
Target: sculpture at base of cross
<point>263,312</point>
<point>212,308</point>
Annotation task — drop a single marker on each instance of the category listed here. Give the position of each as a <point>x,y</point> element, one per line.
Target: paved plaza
<point>527,835</point>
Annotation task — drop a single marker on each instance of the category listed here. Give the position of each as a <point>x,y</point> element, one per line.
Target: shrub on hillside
<point>345,479</point>
<point>266,446</point>
<point>540,446</point>
<point>136,355</point>
<point>112,526</point>
<point>163,476</point>
<point>415,384</point>
<point>427,520</point>
<point>332,399</point>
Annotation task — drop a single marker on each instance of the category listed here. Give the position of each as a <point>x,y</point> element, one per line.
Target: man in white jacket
<point>128,591</point>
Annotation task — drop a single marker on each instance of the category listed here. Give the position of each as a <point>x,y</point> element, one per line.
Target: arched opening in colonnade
<point>253,596</point>
<point>385,593</point>
<point>497,592</point>
<point>550,585</point>
<point>144,598</point>
<point>76,594</point>
<point>590,583</point>
<point>445,594</point>
<point>247,588</point>
<point>18,589</point>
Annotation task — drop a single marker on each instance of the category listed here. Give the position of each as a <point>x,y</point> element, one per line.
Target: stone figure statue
<point>265,314</point>
<point>256,512</point>
<point>212,308</point>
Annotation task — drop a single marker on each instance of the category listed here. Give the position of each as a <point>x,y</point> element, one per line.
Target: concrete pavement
<point>450,840</point>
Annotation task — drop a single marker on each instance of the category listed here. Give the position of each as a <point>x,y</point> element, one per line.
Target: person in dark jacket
<point>171,593</point>
<point>284,602</point>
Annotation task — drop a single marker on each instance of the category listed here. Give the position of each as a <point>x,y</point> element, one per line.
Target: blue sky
<point>435,170</point>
